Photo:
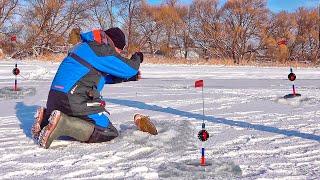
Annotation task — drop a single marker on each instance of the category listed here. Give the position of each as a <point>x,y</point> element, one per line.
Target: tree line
<point>241,30</point>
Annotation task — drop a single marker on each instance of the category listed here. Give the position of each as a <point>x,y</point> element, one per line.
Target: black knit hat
<point>117,36</point>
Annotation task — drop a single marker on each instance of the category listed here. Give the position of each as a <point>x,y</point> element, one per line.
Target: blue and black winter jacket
<point>83,73</point>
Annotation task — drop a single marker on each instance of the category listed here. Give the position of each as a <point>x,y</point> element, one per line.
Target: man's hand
<point>139,54</point>
<point>136,77</point>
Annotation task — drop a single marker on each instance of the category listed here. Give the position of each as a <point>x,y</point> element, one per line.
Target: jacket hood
<point>91,36</point>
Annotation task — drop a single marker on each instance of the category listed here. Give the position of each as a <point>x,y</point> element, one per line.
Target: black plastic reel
<point>203,135</point>
<point>292,77</point>
<point>16,71</point>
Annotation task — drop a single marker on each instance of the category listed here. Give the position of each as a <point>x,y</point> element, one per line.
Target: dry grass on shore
<point>164,60</point>
<point>51,57</point>
<point>223,62</point>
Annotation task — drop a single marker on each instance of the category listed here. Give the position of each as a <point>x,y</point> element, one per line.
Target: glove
<point>140,55</point>
<point>139,75</point>
<point>136,77</point>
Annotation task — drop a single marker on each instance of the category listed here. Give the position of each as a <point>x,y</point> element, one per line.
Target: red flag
<point>198,83</point>
<point>282,42</point>
<point>13,38</point>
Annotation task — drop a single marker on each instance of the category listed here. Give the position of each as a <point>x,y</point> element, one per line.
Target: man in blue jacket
<point>74,106</point>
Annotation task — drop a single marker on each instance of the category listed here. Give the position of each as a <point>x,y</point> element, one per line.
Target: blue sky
<point>274,5</point>
<point>291,5</point>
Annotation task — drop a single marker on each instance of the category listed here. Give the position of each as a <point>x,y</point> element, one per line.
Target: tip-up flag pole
<point>203,135</point>
<point>197,84</point>
<point>16,72</point>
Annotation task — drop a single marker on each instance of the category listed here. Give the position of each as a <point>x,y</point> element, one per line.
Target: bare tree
<point>207,27</point>
<point>7,10</point>
<point>8,27</point>
<point>278,37</point>
<point>306,34</point>
<point>242,22</point>
<point>49,21</point>
<point>147,30</point>
<point>127,11</point>
<point>187,41</point>
<point>104,12</point>
<point>169,16</point>
<point>239,29</point>
<point>318,52</point>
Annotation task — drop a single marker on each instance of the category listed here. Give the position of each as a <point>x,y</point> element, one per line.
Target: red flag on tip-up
<point>13,38</point>
<point>282,42</point>
<point>198,83</point>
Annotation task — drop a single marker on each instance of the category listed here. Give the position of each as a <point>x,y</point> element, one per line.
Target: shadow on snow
<point>25,115</point>
<point>141,105</point>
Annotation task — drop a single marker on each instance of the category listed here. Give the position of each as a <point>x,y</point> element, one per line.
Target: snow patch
<point>252,135</point>
<point>39,73</point>
<point>192,168</point>
<point>10,93</point>
<point>296,101</point>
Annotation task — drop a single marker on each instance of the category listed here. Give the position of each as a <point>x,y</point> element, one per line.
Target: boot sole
<point>39,116</point>
<point>144,124</point>
<point>47,131</point>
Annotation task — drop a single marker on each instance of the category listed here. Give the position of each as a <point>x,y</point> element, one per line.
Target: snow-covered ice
<point>253,132</point>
